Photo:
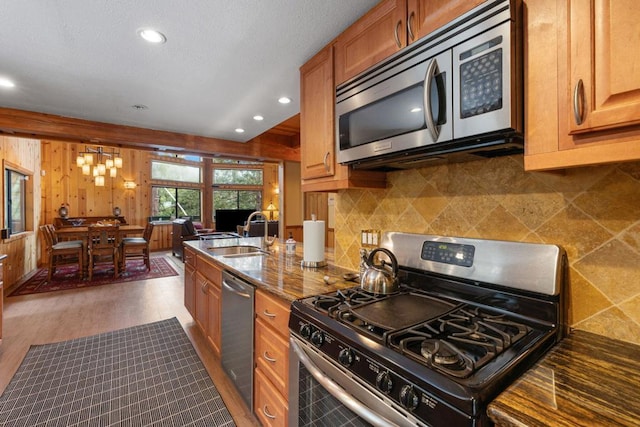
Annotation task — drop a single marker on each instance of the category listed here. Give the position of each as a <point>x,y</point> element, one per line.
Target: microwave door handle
<point>338,392</point>
<point>432,70</point>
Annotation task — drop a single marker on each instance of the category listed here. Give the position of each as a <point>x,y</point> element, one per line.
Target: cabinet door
<point>374,37</point>
<point>272,356</point>
<point>317,94</point>
<point>551,141</point>
<point>425,16</point>
<point>269,407</point>
<point>201,299</point>
<point>189,289</point>
<point>213,318</point>
<point>604,68</point>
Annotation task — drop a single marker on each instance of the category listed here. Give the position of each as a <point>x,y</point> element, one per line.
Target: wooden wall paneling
<point>22,249</point>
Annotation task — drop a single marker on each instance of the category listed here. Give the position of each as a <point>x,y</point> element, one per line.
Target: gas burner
<point>341,299</point>
<point>482,327</point>
<point>441,353</point>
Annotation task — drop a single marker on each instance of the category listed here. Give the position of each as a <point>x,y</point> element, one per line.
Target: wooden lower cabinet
<point>213,317</point>
<point>2,257</point>
<point>270,407</point>
<point>271,379</point>
<point>202,281</point>
<point>190,282</point>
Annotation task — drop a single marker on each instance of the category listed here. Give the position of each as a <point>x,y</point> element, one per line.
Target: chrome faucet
<point>267,242</point>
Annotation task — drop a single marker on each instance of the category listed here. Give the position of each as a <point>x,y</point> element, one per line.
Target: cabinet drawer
<point>272,356</point>
<point>274,311</point>
<point>190,257</point>
<point>269,406</point>
<point>210,271</point>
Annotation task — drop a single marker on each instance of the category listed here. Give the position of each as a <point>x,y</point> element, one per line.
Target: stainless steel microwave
<point>454,95</point>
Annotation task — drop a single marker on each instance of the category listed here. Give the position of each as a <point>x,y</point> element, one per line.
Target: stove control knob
<point>317,338</point>
<point>346,357</point>
<point>409,398</point>
<point>384,382</point>
<point>305,331</point>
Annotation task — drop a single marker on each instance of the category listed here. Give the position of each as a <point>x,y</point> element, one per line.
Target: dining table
<point>82,233</point>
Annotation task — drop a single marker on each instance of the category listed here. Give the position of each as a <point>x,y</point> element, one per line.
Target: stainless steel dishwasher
<point>237,333</point>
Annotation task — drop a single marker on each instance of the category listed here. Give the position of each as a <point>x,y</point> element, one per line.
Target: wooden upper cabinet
<point>374,37</point>
<point>390,26</point>
<point>318,167</point>
<point>425,16</point>
<point>604,70</point>
<point>568,41</point>
<point>317,94</point>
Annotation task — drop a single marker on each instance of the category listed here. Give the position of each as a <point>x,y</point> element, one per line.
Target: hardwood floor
<point>59,316</point>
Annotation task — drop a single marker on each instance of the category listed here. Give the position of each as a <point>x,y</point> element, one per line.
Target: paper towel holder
<point>313,264</point>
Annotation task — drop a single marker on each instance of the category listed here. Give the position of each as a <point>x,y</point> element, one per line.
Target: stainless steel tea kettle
<point>381,278</point>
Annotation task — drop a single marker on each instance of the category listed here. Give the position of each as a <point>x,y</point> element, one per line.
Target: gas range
<point>463,325</point>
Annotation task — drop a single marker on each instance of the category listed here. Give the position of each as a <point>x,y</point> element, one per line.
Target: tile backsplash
<point>592,212</point>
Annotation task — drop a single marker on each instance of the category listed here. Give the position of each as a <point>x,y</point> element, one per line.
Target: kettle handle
<point>394,261</point>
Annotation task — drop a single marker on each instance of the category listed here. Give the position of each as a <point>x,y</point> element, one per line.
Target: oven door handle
<point>337,391</point>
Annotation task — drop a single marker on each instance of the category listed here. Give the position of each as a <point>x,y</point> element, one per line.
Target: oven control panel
<point>385,382</point>
<point>448,253</point>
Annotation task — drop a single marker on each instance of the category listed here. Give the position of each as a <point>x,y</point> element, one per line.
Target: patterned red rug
<point>66,277</point>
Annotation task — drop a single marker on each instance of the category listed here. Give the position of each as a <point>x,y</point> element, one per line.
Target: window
<point>236,188</point>
<point>17,203</point>
<point>165,171</point>
<point>237,199</point>
<point>175,202</point>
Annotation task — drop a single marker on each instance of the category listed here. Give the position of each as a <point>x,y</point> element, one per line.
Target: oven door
<point>321,393</point>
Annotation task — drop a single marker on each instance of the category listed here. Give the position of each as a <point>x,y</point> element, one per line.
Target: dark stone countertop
<point>277,273</point>
<point>585,380</point>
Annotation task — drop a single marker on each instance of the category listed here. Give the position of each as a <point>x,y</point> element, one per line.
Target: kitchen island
<point>279,279</point>
<point>276,272</point>
<point>586,380</point>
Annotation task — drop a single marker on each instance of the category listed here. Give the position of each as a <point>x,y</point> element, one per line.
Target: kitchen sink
<point>236,251</point>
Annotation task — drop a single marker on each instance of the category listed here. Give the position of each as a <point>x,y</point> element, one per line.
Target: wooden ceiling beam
<point>47,126</point>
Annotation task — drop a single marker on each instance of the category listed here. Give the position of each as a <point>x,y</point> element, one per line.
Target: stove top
<point>459,329</point>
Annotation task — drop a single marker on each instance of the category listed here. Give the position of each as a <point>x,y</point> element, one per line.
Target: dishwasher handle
<point>233,287</point>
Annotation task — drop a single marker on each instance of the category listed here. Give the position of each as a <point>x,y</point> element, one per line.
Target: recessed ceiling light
<point>152,36</point>
<point>258,117</point>
<point>284,100</point>
<point>239,130</point>
<point>6,82</point>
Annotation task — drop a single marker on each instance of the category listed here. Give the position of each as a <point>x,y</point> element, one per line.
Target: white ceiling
<point>224,60</point>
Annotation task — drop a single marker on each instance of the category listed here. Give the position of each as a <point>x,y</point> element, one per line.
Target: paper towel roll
<point>313,241</point>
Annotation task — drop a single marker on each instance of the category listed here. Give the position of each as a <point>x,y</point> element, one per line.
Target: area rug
<point>148,375</point>
<point>66,277</point>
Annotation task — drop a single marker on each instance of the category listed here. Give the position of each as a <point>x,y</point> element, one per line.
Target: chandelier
<point>101,160</point>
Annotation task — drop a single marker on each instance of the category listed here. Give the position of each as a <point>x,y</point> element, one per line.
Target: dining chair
<point>136,248</point>
<point>61,253</point>
<point>103,243</point>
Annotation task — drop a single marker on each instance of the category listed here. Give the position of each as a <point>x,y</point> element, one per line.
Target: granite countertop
<point>277,273</point>
<point>586,380</point>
